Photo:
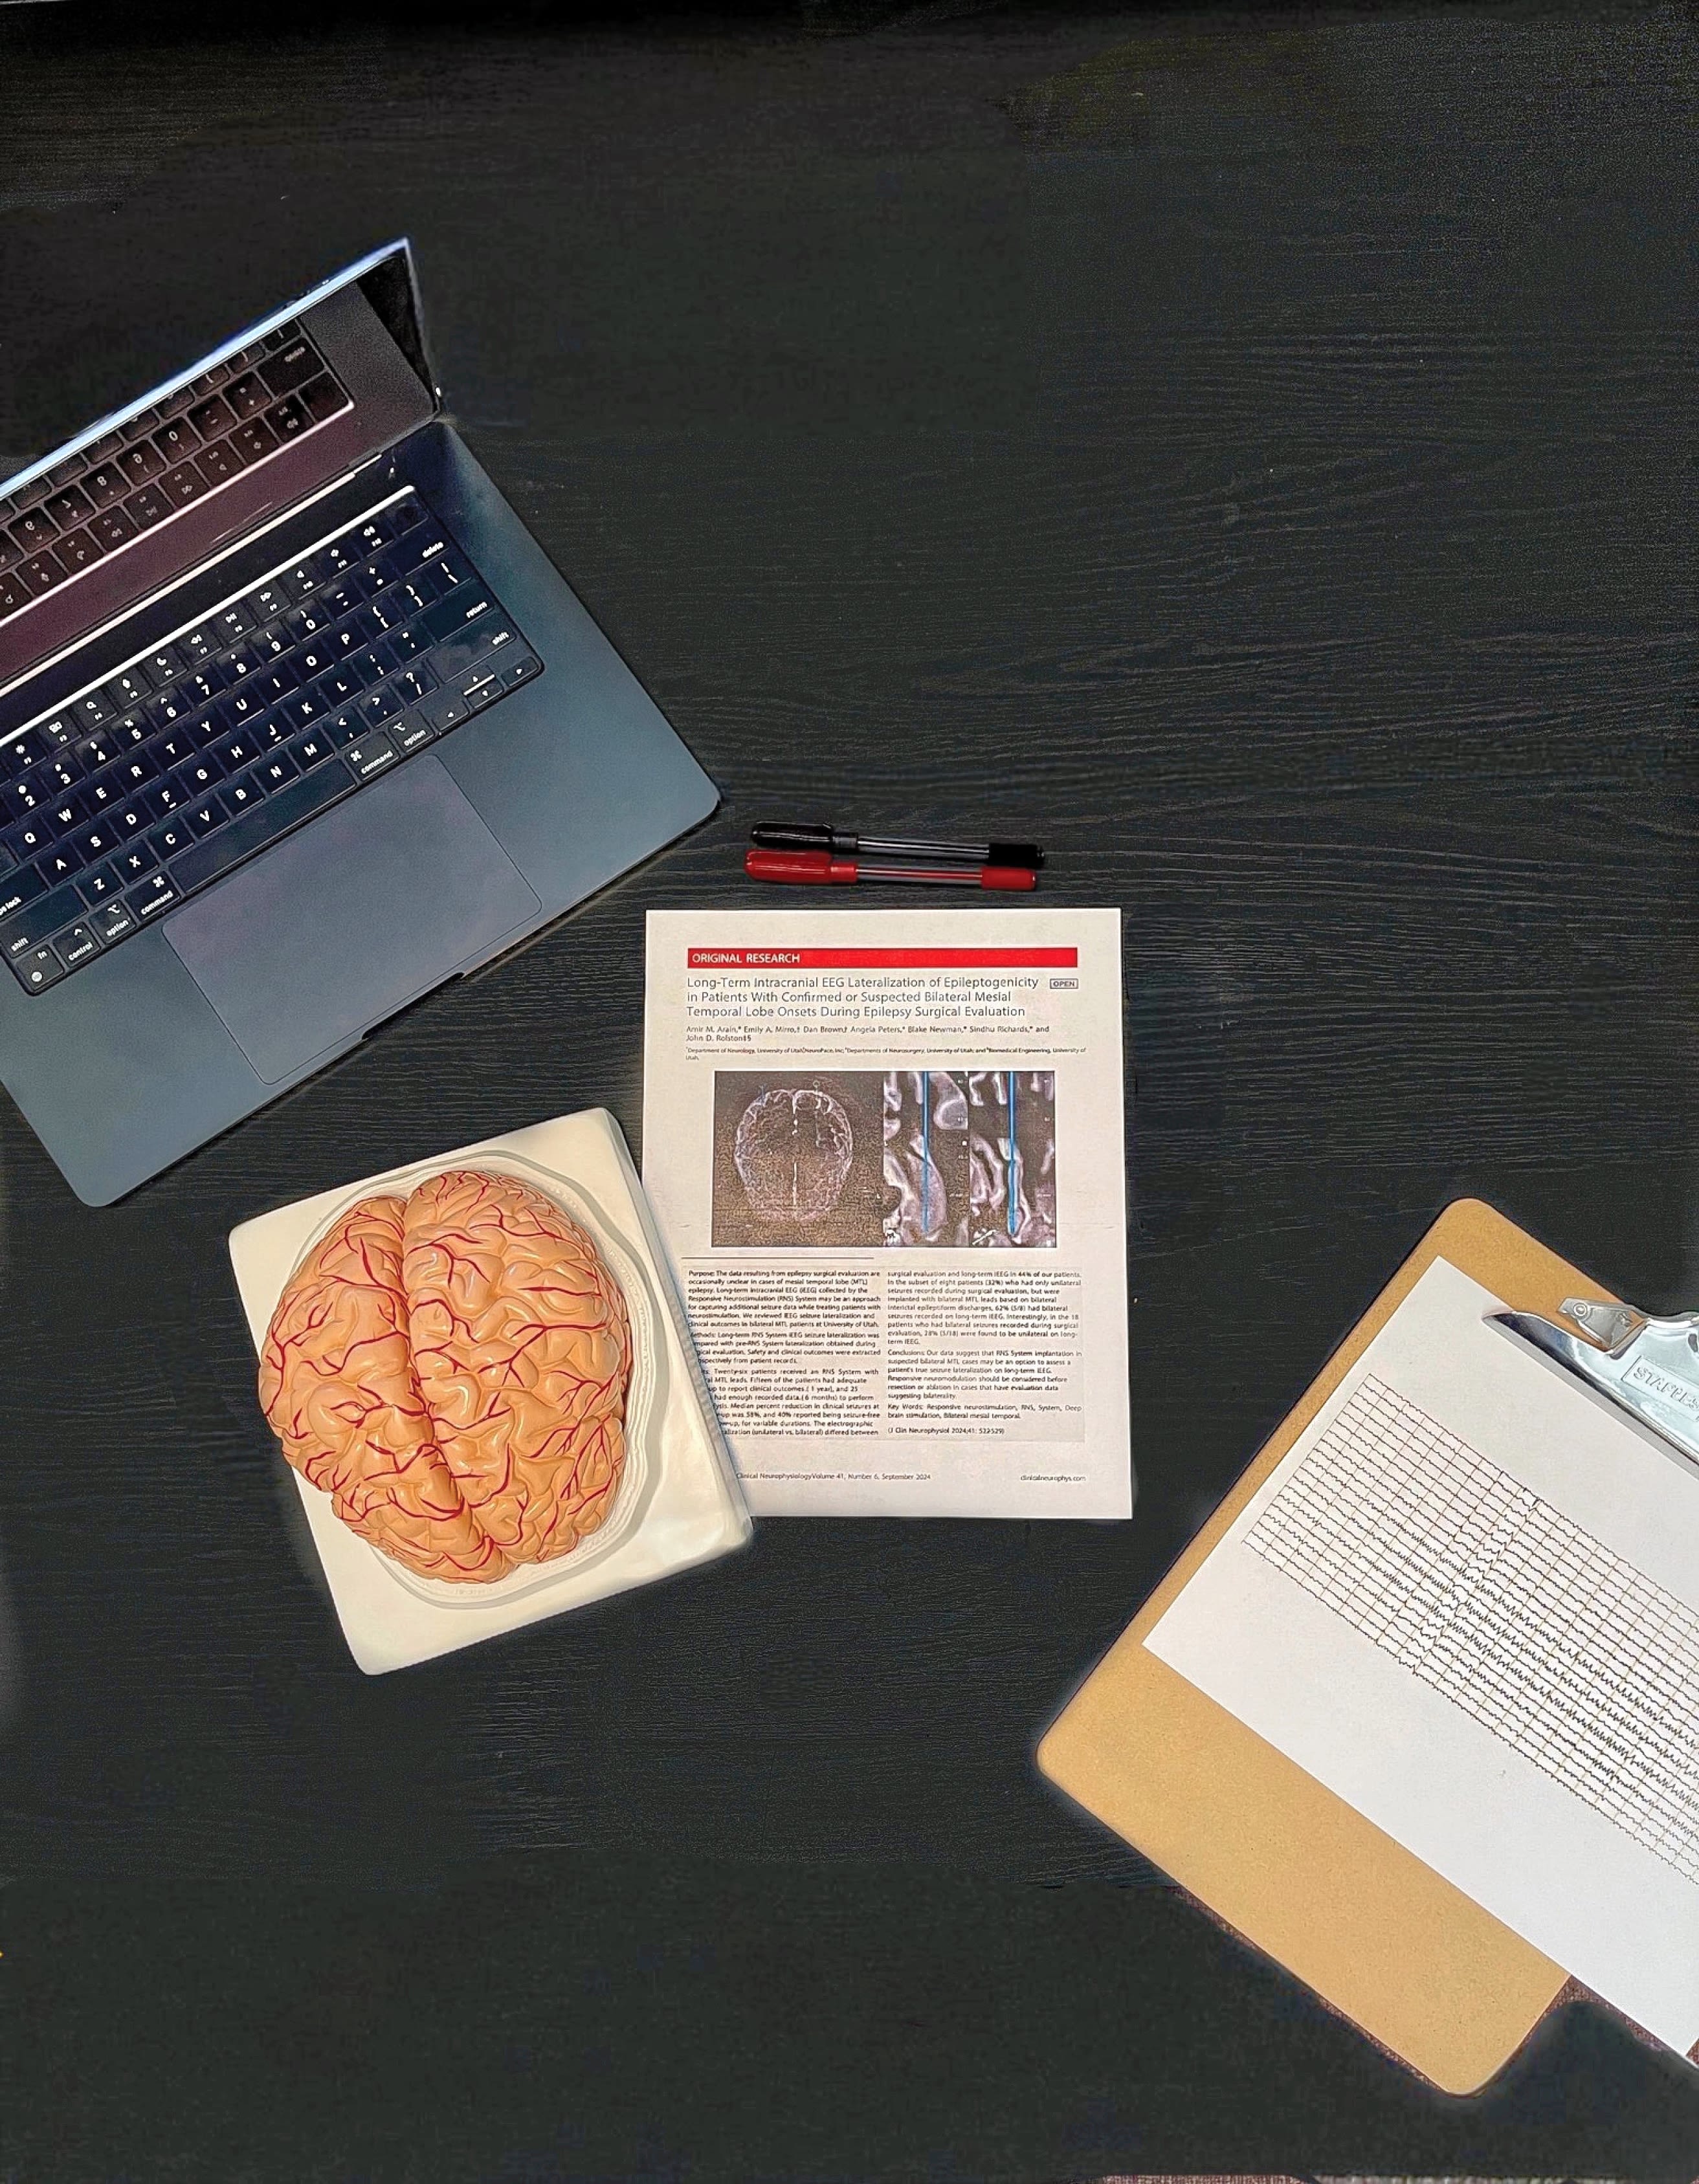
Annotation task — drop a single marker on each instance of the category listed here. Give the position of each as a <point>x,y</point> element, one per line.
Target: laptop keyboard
<point>96,503</point>
<point>197,755</point>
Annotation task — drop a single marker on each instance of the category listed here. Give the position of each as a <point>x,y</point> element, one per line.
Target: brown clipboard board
<point>1416,1965</point>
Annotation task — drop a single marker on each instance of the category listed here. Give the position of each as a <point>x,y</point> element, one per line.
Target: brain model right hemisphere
<point>451,1368</point>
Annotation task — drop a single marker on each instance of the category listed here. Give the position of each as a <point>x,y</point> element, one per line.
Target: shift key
<point>48,914</point>
<point>216,852</point>
<point>468,647</point>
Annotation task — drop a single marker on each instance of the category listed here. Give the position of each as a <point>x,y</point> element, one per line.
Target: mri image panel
<point>907,1159</point>
<point>970,1158</point>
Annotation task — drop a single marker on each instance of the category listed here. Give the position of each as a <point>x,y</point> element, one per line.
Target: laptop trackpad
<point>372,904</point>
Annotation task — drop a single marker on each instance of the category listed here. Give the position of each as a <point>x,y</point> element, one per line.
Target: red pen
<point>820,868</point>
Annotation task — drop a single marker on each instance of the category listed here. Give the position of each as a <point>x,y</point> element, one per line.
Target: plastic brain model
<point>451,1368</point>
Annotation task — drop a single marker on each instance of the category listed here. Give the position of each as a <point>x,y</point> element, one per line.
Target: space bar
<point>204,860</point>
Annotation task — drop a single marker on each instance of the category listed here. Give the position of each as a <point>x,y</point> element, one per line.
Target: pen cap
<point>1015,878</point>
<point>800,867</point>
<point>1017,853</point>
<point>767,837</point>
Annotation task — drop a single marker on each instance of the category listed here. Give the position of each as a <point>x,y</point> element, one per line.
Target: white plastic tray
<point>679,1502</point>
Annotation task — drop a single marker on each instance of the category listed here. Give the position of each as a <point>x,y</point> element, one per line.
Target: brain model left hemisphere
<point>451,1368</point>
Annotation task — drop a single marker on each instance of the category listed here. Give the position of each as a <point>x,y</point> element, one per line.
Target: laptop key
<point>176,439</point>
<point>254,441</point>
<point>69,508</point>
<point>482,689</point>
<point>111,527</point>
<point>292,366</point>
<point>410,731</point>
<point>248,394</point>
<point>77,946</point>
<point>300,581</point>
<point>217,463</point>
<point>40,573</point>
<point>379,705</point>
<point>113,921</point>
<point>23,752</point>
<point>301,710</point>
<point>101,885</point>
<point>129,687</point>
<point>182,485</point>
<point>141,463</point>
<point>322,398</point>
<point>25,885</point>
<point>414,684</point>
<point>169,751</point>
<point>158,892</point>
<point>275,770</point>
<point>38,970</point>
<point>212,418</point>
<point>371,754</point>
<point>78,550</point>
<point>18,798</point>
<point>287,419</point>
<point>97,750</point>
<point>461,606</point>
<point>446,710</point>
<point>199,777</point>
<point>34,531</point>
<point>311,750</point>
<point>38,921</point>
<point>104,484</point>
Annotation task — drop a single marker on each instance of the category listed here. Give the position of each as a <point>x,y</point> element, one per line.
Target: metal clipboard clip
<point>1646,1366</point>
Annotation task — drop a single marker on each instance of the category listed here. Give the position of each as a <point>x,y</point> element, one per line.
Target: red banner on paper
<point>884,959</point>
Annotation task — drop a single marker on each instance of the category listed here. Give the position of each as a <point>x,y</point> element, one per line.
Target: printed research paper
<point>886,1149</point>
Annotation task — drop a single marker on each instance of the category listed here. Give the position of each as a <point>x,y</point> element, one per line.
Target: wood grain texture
<point>1252,456</point>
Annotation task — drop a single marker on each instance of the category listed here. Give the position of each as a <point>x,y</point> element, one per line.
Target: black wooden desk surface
<point>1253,454</point>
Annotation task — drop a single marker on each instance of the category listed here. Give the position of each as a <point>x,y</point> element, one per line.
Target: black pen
<point>839,844</point>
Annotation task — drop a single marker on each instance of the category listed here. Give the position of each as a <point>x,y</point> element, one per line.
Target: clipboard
<point>1287,1865</point>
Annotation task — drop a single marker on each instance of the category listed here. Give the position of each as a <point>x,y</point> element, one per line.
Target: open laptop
<point>297,721</point>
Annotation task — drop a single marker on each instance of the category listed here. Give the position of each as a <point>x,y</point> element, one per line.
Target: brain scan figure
<point>794,1151</point>
<point>452,1369</point>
